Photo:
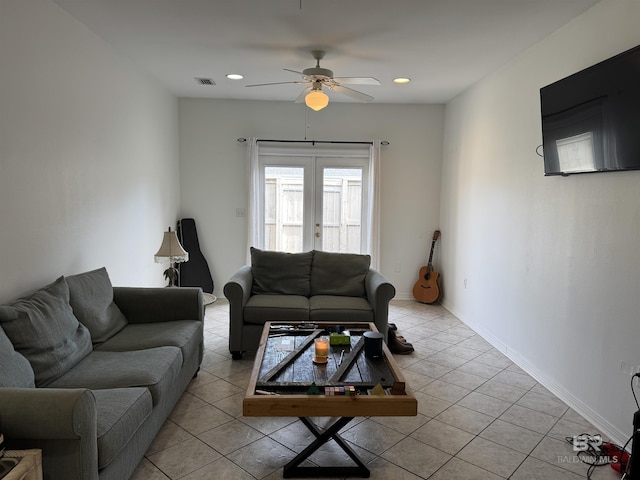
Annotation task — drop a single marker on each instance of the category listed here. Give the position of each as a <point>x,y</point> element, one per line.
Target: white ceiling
<point>444,46</point>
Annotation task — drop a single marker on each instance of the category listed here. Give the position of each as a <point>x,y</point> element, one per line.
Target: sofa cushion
<point>184,334</point>
<point>265,308</point>
<point>339,273</point>
<point>42,327</point>
<point>16,370</point>
<point>154,368</point>
<point>279,273</point>
<point>121,412</point>
<point>338,308</point>
<point>91,297</point>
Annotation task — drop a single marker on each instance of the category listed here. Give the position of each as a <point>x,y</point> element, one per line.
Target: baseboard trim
<point>403,296</point>
<point>606,428</point>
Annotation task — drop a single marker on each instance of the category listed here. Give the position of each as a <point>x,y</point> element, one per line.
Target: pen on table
<point>265,392</point>
<point>341,357</point>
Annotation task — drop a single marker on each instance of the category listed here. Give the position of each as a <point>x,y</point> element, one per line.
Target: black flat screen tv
<point>591,119</point>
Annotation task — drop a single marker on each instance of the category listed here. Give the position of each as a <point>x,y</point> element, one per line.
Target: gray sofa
<point>90,372</point>
<point>312,286</point>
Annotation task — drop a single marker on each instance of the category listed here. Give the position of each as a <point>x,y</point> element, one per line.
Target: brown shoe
<point>395,336</point>
<point>398,347</point>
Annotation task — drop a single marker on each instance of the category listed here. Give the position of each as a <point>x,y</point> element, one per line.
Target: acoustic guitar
<point>426,289</point>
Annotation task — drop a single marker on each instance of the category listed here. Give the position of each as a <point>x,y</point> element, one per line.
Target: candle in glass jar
<point>322,347</point>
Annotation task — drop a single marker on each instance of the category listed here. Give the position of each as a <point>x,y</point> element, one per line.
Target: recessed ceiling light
<point>234,76</point>
<point>401,80</point>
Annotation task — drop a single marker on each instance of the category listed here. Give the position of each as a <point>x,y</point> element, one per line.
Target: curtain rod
<point>313,142</point>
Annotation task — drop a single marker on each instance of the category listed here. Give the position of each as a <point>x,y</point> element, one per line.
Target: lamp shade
<point>316,100</point>
<point>171,251</point>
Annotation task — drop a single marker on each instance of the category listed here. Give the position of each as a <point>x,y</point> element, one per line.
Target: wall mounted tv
<point>591,119</point>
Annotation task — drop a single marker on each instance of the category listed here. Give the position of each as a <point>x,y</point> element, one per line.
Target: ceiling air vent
<point>205,81</point>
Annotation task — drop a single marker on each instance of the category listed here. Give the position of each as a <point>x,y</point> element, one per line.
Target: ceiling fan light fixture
<point>316,100</point>
<point>401,80</point>
<point>316,77</point>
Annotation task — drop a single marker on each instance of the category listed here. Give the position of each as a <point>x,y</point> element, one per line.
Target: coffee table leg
<point>294,470</point>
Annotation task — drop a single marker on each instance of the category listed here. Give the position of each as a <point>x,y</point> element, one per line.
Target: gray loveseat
<point>91,372</point>
<point>312,286</point>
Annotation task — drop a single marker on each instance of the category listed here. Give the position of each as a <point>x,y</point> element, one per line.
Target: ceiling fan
<point>317,77</point>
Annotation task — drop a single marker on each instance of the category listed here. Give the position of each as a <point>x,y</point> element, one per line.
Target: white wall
<point>88,155</point>
<point>213,173</point>
<point>547,268</point>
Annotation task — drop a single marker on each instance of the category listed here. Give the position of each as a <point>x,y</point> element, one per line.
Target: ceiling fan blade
<point>357,80</point>
<point>303,94</point>
<point>294,71</point>
<point>349,92</point>
<point>275,83</point>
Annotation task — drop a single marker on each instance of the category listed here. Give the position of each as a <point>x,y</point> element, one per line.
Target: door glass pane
<point>342,210</point>
<point>283,208</point>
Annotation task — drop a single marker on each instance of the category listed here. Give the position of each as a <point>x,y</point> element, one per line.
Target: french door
<point>314,200</point>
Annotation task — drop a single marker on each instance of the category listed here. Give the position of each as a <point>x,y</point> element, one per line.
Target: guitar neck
<point>433,244</point>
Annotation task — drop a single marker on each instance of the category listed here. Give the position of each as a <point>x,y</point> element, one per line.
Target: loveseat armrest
<point>238,288</point>
<point>62,422</point>
<point>159,304</point>
<point>238,291</point>
<point>379,293</point>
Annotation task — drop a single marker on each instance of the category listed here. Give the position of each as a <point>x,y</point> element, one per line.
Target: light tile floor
<point>480,417</point>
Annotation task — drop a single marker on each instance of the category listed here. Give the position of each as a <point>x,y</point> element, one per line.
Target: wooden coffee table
<point>285,382</point>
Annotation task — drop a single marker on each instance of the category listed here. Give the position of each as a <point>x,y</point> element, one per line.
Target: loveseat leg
<point>236,355</point>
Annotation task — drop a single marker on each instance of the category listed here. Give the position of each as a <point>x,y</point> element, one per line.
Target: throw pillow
<point>42,327</point>
<point>280,273</point>
<point>91,297</point>
<point>15,371</point>
<point>339,273</point>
